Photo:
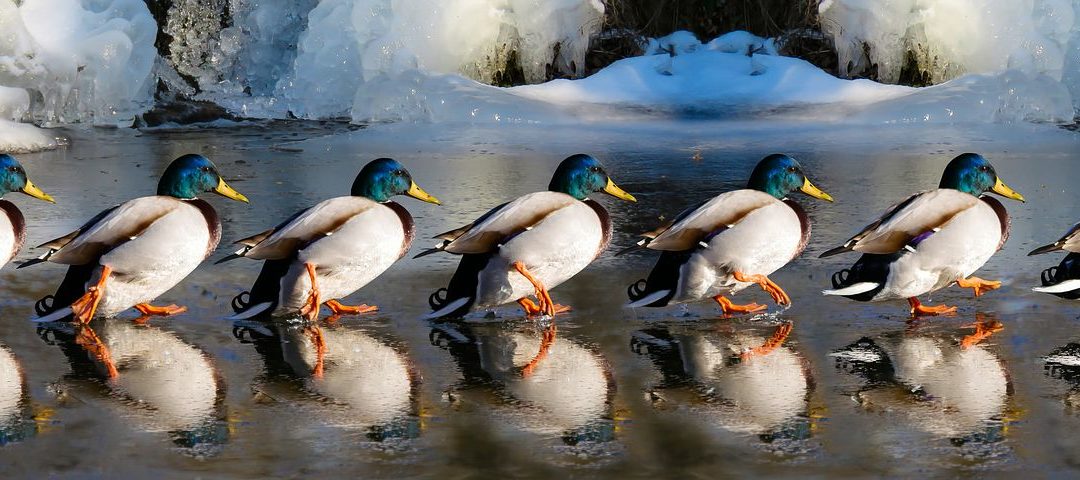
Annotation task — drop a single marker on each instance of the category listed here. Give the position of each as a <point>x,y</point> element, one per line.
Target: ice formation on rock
<point>948,38</point>
<point>85,60</point>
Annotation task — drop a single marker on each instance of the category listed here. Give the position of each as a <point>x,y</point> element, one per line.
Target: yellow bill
<point>34,191</point>
<point>1001,189</point>
<point>809,189</point>
<point>418,193</point>
<point>615,191</point>
<point>226,191</point>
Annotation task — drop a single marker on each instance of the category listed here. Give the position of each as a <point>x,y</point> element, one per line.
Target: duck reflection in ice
<point>948,384</point>
<point>548,384</point>
<point>1064,363</point>
<point>16,419</point>
<point>742,378</point>
<point>345,375</point>
<point>149,375</point>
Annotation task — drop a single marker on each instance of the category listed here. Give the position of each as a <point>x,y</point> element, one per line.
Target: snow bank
<point>720,79</point>
<point>85,60</point>
<point>949,38</point>
<point>23,138</point>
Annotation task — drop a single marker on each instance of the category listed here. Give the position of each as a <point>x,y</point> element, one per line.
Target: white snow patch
<point>24,138</point>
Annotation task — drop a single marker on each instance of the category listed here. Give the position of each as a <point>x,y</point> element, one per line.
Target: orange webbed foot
<point>546,341</point>
<point>978,286</point>
<point>310,309</point>
<point>339,308</point>
<point>778,294</point>
<point>727,306</point>
<point>918,309</point>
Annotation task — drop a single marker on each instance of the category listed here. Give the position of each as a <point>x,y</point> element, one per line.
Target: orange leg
<point>918,309</point>
<point>86,306</point>
<point>978,285</point>
<point>727,306</point>
<point>546,305</point>
<point>89,341</point>
<point>778,294</point>
<point>771,344</point>
<point>319,342</point>
<point>310,309</point>
<point>546,341</point>
<point>983,330</point>
<point>340,309</point>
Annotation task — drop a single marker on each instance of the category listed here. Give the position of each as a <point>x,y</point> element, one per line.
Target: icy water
<point>854,390</point>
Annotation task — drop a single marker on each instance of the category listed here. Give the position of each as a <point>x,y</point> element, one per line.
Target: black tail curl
<point>664,276</point>
<point>71,288</point>
<point>463,284</point>
<point>870,268</point>
<point>1068,269</point>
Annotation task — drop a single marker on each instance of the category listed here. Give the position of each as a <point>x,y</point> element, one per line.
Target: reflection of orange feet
<point>89,341</point>
<point>545,306</point>
<point>340,309</point>
<point>319,343</point>
<point>546,341</point>
<point>727,306</point>
<point>778,294</point>
<point>310,309</point>
<point>918,309</point>
<point>977,285</point>
<point>85,307</point>
<point>983,330</point>
<point>772,343</point>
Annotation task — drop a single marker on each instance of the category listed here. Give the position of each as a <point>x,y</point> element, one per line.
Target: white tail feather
<point>456,304</point>
<point>652,297</point>
<point>250,312</point>
<point>861,287</point>
<point>1066,286</point>
<point>54,316</point>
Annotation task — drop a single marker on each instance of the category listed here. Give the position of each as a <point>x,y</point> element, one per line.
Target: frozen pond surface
<point>854,390</point>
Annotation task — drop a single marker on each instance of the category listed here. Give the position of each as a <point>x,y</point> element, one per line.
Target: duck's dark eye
<point>14,169</point>
<point>984,168</point>
<point>594,169</point>
<point>792,169</point>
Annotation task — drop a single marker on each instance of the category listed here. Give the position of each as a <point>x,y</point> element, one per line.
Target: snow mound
<point>24,138</point>
<point>79,60</point>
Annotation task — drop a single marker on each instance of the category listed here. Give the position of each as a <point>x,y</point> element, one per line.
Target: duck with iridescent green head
<point>931,240</point>
<point>731,241</point>
<point>332,249</point>
<point>529,245</point>
<point>12,224</point>
<point>128,255</point>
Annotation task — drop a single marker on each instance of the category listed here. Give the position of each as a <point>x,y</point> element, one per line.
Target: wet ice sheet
<point>635,413</point>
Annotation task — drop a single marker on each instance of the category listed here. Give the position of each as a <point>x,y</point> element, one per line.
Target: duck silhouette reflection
<point>149,375</point>
<point>742,378</point>
<point>339,373</point>
<point>946,383</point>
<point>1063,363</point>
<point>16,419</point>
<point>540,380</point>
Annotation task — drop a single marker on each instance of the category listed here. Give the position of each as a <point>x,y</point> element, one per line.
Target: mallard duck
<point>931,240</point>
<point>529,245</point>
<point>1064,279</point>
<point>332,249</point>
<point>129,254</point>
<point>731,241</point>
<point>12,224</point>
